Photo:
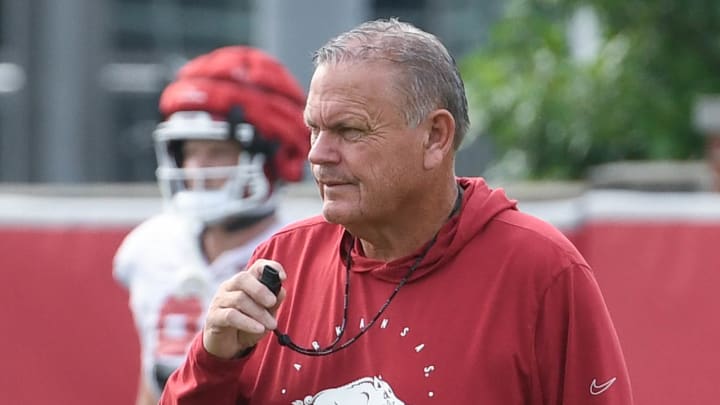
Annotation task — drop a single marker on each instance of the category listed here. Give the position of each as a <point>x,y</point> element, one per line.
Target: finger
<point>222,318</point>
<point>245,304</point>
<point>248,283</point>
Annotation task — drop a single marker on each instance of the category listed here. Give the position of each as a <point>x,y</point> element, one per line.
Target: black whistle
<point>271,279</point>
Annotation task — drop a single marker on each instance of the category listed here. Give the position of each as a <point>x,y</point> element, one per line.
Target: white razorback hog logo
<point>365,391</point>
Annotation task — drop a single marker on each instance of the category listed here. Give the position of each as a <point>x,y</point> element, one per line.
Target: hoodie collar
<point>478,206</point>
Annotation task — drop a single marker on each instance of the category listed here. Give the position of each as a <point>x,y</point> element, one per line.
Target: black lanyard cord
<point>284,339</point>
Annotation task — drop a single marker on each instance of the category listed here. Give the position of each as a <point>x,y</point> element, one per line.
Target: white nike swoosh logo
<point>596,389</point>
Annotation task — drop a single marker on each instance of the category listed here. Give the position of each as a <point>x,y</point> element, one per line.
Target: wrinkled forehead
<point>366,86</point>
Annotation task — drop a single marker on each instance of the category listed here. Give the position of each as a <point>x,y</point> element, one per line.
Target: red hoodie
<point>502,310</point>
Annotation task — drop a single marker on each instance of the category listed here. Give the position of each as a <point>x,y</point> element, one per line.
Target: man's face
<point>198,154</point>
<point>365,159</point>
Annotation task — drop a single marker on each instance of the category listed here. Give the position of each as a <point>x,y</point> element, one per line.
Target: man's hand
<point>241,312</point>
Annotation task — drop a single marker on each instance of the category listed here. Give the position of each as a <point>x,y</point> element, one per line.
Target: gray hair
<point>429,75</point>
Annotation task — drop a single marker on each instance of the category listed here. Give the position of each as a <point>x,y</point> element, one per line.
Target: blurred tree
<point>554,108</point>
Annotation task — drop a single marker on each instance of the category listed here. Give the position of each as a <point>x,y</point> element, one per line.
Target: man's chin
<point>330,217</point>
<point>334,214</point>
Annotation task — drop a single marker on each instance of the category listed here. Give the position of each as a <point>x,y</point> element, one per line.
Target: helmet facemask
<point>246,191</point>
<point>234,93</point>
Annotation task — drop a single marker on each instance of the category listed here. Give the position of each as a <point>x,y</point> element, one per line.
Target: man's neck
<point>394,241</point>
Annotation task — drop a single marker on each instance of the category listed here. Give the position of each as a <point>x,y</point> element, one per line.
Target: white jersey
<point>171,284</point>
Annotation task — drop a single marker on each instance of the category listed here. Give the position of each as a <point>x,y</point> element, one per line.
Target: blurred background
<point>600,116</point>
<point>557,87</point>
<point>80,79</point>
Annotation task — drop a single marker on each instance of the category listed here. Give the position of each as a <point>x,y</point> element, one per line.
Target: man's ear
<point>440,138</point>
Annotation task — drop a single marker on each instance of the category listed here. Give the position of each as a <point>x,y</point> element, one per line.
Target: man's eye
<point>349,132</point>
<point>314,132</point>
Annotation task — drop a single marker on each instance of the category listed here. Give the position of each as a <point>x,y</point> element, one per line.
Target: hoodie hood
<point>480,204</point>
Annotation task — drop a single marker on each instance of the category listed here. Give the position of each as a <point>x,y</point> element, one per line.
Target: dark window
<point>134,119</point>
<point>179,26</point>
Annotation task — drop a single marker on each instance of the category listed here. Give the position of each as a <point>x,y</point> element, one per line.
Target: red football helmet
<point>237,93</point>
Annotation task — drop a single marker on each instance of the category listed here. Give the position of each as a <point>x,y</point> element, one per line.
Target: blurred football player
<point>232,133</point>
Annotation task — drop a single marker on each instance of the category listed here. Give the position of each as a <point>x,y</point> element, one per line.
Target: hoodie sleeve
<point>203,379</point>
<point>578,353</point>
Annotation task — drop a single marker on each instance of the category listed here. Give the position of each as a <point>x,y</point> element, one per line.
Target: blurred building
<point>79,79</point>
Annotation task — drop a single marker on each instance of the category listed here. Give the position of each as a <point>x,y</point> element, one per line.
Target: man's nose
<point>324,149</point>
